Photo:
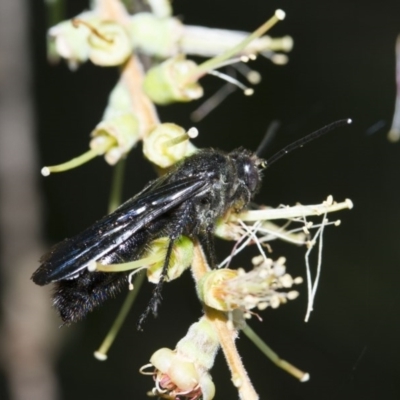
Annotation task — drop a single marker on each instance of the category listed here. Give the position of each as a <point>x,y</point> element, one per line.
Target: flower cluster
<point>184,372</point>
<point>261,287</point>
<point>109,36</point>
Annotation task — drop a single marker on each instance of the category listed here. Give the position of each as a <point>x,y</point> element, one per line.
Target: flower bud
<point>160,8</point>
<point>171,81</point>
<point>109,44</point>
<point>228,229</point>
<point>227,290</point>
<point>210,289</point>
<point>71,43</point>
<point>113,137</point>
<point>123,129</point>
<point>209,42</point>
<point>119,123</point>
<point>181,258</point>
<point>166,144</point>
<point>176,79</point>
<point>155,36</point>
<point>184,371</point>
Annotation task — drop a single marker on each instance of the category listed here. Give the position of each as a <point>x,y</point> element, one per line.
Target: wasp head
<point>249,168</point>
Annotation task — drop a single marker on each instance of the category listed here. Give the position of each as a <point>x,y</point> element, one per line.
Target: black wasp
<point>186,201</point>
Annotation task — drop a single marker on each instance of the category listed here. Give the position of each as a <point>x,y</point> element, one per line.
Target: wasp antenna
<point>301,142</point>
<point>246,90</point>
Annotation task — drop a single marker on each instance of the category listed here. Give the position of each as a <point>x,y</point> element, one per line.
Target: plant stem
<point>117,185</point>
<point>132,72</point>
<point>225,334</point>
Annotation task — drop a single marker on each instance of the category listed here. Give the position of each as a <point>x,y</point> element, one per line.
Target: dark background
<point>342,65</point>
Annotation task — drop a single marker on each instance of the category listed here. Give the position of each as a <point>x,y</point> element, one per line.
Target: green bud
<point>181,258</point>
<point>211,289</point>
<point>109,43</point>
<point>70,42</point>
<point>155,36</point>
<point>184,371</point>
<point>166,144</point>
<point>160,8</point>
<point>119,123</point>
<point>123,129</point>
<point>171,81</point>
<point>200,344</point>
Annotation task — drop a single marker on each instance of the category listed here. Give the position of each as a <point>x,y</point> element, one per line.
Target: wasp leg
<point>156,296</point>
<point>208,244</point>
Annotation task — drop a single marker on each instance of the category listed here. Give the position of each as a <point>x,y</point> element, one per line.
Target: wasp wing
<point>69,257</point>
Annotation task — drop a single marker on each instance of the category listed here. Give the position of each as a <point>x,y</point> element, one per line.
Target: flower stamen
<point>246,90</point>
<point>106,144</point>
<point>217,61</point>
